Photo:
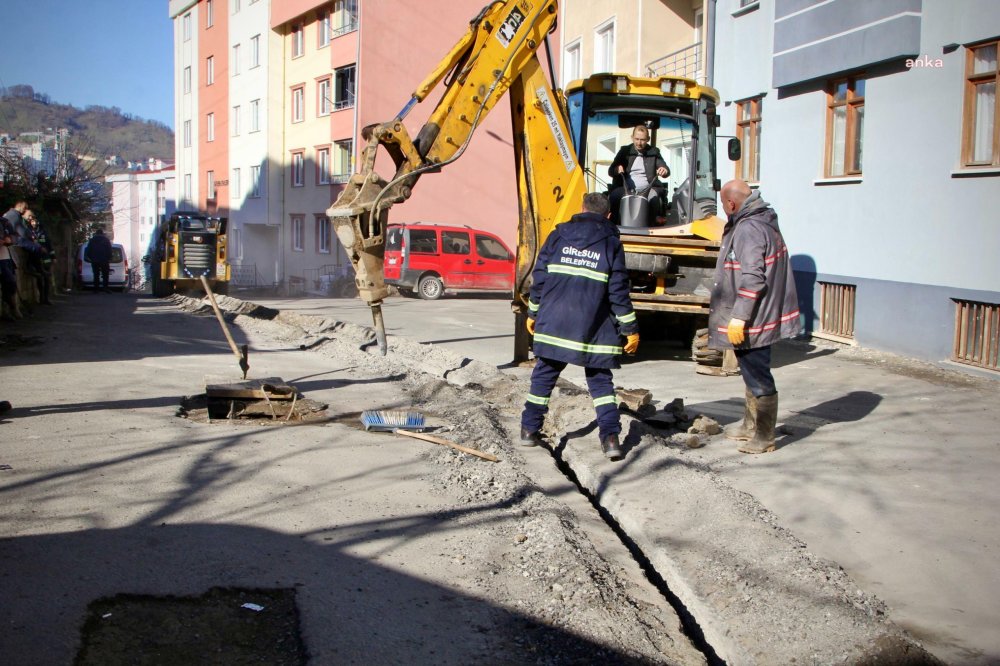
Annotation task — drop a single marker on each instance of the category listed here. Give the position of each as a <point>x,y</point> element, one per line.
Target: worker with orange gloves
<point>578,312</point>
<point>753,305</point>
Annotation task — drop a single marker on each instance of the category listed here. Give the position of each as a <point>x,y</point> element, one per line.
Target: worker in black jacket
<point>635,170</point>
<point>578,311</point>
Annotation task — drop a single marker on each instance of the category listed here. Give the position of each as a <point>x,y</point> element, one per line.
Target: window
<point>187,133</point>
<point>298,104</point>
<point>604,48</point>
<point>210,127</point>
<point>236,120</point>
<point>322,234</point>
<point>980,130</point>
<point>209,13</point>
<point>209,70</point>
<point>455,242</point>
<point>298,168</point>
<point>255,51</point>
<point>571,63</point>
<point>343,87</point>
<point>423,241</point>
<point>845,123</point>
<point>255,115</point>
<point>748,113</point>
<point>234,186</point>
<point>298,44</point>
<point>187,187</point>
<point>323,166</point>
<point>298,232</point>
<point>235,63</point>
<point>324,30</point>
<point>836,309</point>
<point>491,248</point>
<point>187,79</point>
<point>236,6</point>
<point>345,17</point>
<point>342,160</point>
<point>210,185</point>
<point>977,334</point>
<point>323,100</point>
<point>255,185</point>
<point>186,26</point>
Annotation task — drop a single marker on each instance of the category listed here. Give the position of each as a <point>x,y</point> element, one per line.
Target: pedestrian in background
<point>9,310</point>
<point>99,256</point>
<point>753,305</point>
<point>41,263</point>
<point>578,311</point>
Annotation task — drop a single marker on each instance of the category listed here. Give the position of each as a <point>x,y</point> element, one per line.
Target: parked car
<point>117,277</point>
<point>429,259</point>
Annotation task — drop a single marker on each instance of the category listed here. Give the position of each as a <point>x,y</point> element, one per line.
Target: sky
<point>104,52</point>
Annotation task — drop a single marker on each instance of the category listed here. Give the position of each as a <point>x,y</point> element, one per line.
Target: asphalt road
<point>889,468</point>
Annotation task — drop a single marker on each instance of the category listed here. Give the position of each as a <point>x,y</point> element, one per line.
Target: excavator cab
<point>681,120</point>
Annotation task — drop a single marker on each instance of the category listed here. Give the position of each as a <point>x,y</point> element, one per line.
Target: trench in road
<point>689,623</point>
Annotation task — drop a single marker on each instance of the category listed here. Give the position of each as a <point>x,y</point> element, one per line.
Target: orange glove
<point>632,343</point>
<point>735,331</point>
<point>530,325</point>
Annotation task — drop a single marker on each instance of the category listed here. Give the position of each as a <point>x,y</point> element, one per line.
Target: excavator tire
<point>161,287</point>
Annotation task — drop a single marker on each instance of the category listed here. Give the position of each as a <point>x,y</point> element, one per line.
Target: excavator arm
<point>496,56</point>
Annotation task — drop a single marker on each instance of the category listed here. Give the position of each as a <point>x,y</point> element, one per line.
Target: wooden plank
<point>670,298</point>
<point>273,388</point>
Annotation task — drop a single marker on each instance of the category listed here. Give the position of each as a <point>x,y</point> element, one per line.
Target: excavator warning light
<point>666,86</point>
<point>680,88</point>
<point>622,84</point>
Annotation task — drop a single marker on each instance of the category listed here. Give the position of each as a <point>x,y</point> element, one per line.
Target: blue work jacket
<point>580,294</point>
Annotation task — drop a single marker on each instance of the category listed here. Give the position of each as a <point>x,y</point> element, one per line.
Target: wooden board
<point>272,388</point>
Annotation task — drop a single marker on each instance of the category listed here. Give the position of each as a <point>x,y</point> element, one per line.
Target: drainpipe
<point>710,42</point>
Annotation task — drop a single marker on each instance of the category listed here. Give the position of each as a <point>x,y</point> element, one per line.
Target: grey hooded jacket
<point>753,280</point>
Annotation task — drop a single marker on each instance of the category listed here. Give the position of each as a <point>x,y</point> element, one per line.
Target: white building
<point>139,200</point>
<point>872,129</point>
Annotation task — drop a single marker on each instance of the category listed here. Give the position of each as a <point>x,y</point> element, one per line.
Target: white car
<point>117,277</point>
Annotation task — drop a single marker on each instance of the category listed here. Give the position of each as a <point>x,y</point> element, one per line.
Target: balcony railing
<point>683,62</point>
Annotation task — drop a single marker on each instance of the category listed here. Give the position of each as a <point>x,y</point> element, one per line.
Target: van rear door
<point>494,263</point>
<point>394,250</point>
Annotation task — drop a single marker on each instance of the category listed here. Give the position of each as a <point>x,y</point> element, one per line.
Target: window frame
<point>324,29</point>
<point>298,167</point>
<point>852,102</point>
<point>186,27</point>
<point>344,149</point>
<point>323,174</point>
<point>254,115</point>
<point>255,181</point>
<point>298,103</point>
<point>255,51</point>
<point>969,106</point>
<point>351,94</point>
<point>236,120</point>
<point>187,80</point>
<point>324,101</point>
<point>298,232</point>
<point>298,37</point>
<point>324,244</point>
<point>187,136</point>
<point>209,14</point>
<point>235,186</point>
<point>753,124</point>
<point>211,193</point>
<point>606,28</point>
<point>209,70</point>
<point>572,54</point>
<point>235,60</point>
<point>210,126</point>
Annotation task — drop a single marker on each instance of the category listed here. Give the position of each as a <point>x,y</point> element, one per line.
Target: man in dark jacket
<point>753,305</point>
<point>634,171</point>
<point>99,256</point>
<point>41,262</point>
<point>578,311</point>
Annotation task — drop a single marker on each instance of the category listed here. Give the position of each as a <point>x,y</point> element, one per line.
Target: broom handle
<point>445,442</point>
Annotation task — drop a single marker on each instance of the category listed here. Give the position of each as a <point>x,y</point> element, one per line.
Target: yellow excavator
<point>564,142</point>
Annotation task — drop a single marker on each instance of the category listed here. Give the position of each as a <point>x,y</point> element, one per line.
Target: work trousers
<point>102,271</point>
<point>755,366</point>
<point>602,391</point>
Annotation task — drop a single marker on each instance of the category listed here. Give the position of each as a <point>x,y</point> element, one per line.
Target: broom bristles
<point>381,419</point>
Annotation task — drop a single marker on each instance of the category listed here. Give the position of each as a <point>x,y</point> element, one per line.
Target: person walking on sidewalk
<point>578,310</point>
<point>753,305</point>
<point>40,263</point>
<point>99,256</point>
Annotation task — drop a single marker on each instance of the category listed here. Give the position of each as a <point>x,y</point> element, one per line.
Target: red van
<point>429,258</point>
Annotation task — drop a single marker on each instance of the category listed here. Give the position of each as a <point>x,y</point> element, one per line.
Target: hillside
<point>110,130</point>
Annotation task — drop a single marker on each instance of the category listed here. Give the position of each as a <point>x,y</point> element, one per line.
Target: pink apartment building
<point>331,69</point>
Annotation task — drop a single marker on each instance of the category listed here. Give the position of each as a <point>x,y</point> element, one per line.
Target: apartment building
<point>271,97</point>
<point>872,129</point>
<point>637,37</point>
<point>139,200</point>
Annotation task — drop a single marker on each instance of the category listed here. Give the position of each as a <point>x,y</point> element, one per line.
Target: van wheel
<point>430,287</point>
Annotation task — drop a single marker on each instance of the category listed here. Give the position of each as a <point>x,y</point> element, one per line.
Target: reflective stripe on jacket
<point>580,294</point>
<point>753,280</point>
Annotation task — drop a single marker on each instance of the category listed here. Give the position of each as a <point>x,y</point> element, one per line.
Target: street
<point>885,470</point>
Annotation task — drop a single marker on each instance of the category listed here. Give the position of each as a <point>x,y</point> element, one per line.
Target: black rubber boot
<point>744,431</point>
<point>767,416</point>
<point>529,438</point>
<point>612,449</point>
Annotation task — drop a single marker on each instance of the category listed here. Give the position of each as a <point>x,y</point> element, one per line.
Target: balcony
<point>686,62</point>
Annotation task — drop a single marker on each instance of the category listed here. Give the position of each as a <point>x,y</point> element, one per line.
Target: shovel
<point>241,357</point>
